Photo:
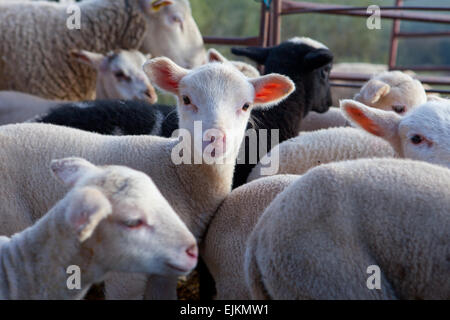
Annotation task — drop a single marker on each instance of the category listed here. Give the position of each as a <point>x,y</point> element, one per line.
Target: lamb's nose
<point>150,94</point>
<point>192,251</point>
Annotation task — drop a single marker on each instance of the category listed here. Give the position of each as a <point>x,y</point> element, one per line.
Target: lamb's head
<point>220,98</point>
<point>119,74</point>
<point>422,134</point>
<point>392,91</point>
<point>120,215</point>
<point>306,61</point>
<point>247,69</point>
<point>172,32</point>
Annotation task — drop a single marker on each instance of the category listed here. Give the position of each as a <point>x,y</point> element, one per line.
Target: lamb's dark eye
<point>133,223</point>
<point>120,75</point>
<point>186,100</point>
<point>399,109</point>
<point>417,139</point>
<point>245,107</point>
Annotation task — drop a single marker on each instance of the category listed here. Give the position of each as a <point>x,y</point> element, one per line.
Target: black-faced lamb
<point>112,219</point>
<point>308,63</point>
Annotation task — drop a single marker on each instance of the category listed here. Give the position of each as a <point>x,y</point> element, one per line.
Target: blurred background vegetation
<point>347,37</point>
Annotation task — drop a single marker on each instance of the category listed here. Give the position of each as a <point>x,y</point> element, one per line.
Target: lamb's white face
<point>122,77</point>
<point>425,133</point>
<point>393,91</point>
<point>422,134</point>
<point>215,101</point>
<point>119,75</point>
<point>219,99</point>
<point>141,233</point>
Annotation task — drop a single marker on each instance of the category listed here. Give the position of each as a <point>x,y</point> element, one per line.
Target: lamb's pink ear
<point>87,207</point>
<point>70,170</point>
<point>374,90</point>
<point>271,89</point>
<point>165,74</point>
<point>375,121</point>
<point>90,58</point>
<point>215,56</point>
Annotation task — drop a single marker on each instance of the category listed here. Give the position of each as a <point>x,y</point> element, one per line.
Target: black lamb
<point>115,117</point>
<point>308,63</point>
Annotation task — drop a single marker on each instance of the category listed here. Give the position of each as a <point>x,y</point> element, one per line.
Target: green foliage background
<point>347,37</point>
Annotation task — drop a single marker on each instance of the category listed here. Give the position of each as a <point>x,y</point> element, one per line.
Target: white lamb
<point>329,232</point>
<point>216,94</point>
<point>422,134</point>
<point>119,76</point>
<point>113,219</point>
<point>391,91</point>
<point>223,248</point>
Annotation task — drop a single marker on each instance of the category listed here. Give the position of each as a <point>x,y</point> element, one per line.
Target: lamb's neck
<point>34,262</point>
<point>207,185</point>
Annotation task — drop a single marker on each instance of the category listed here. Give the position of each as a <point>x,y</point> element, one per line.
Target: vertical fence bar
<point>276,22</point>
<point>394,39</point>
<point>264,26</point>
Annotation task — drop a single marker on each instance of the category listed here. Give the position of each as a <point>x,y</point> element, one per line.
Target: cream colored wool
<point>311,149</point>
<point>16,107</point>
<point>88,229</point>
<point>34,54</point>
<point>194,191</point>
<point>422,134</point>
<point>224,245</point>
<point>318,237</point>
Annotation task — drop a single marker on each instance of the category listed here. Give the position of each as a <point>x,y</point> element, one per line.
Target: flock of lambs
<point>93,184</point>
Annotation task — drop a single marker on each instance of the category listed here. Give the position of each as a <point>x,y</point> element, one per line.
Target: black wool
<point>309,69</point>
<point>115,117</point>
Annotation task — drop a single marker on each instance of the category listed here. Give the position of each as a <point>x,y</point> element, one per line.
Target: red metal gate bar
<point>359,85</point>
<point>362,77</point>
<point>294,7</point>
<point>422,34</point>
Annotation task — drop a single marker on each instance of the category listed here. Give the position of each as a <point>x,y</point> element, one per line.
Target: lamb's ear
<point>165,74</point>
<point>378,122</point>
<point>154,5</point>
<point>271,89</point>
<point>90,58</point>
<point>87,207</point>
<point>215,56</point>
<point>318,58</point>
<point>70,170</point>
<point>373,91</point>
<point>259,55</point>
